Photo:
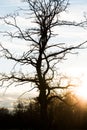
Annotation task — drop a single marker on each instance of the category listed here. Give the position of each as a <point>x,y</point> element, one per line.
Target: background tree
<point>42,54</point>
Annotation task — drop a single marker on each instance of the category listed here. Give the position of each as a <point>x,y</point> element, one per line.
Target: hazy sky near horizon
<point>77,64</point>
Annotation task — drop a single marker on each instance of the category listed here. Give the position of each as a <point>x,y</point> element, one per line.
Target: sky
<point>75,65</point>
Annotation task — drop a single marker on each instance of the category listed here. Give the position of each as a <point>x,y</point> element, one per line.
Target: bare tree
<point>42,55</point>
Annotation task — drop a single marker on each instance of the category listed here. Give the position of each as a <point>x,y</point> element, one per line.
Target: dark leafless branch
<point>67,50</point>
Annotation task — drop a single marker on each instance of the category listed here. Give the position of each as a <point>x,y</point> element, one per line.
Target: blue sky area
<point>7,6</point>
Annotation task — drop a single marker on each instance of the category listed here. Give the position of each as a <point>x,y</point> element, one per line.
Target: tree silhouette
<point>42,55</point>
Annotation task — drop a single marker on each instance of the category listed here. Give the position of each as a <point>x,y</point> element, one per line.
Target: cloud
<point>12,94</point>
<point>7,100</point>
<point>14,1</point>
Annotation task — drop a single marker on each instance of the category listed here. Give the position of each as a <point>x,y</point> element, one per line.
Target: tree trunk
<point>43,109</point>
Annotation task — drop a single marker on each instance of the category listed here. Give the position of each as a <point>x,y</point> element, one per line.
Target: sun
<point>81,91</point>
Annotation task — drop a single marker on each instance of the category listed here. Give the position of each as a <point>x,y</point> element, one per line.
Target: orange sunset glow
<point>81,91</point>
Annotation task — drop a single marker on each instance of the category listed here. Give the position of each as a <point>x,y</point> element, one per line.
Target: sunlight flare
<point>81,91</point>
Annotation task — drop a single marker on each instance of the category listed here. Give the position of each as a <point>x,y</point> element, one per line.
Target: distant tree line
<point>27,116</point>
